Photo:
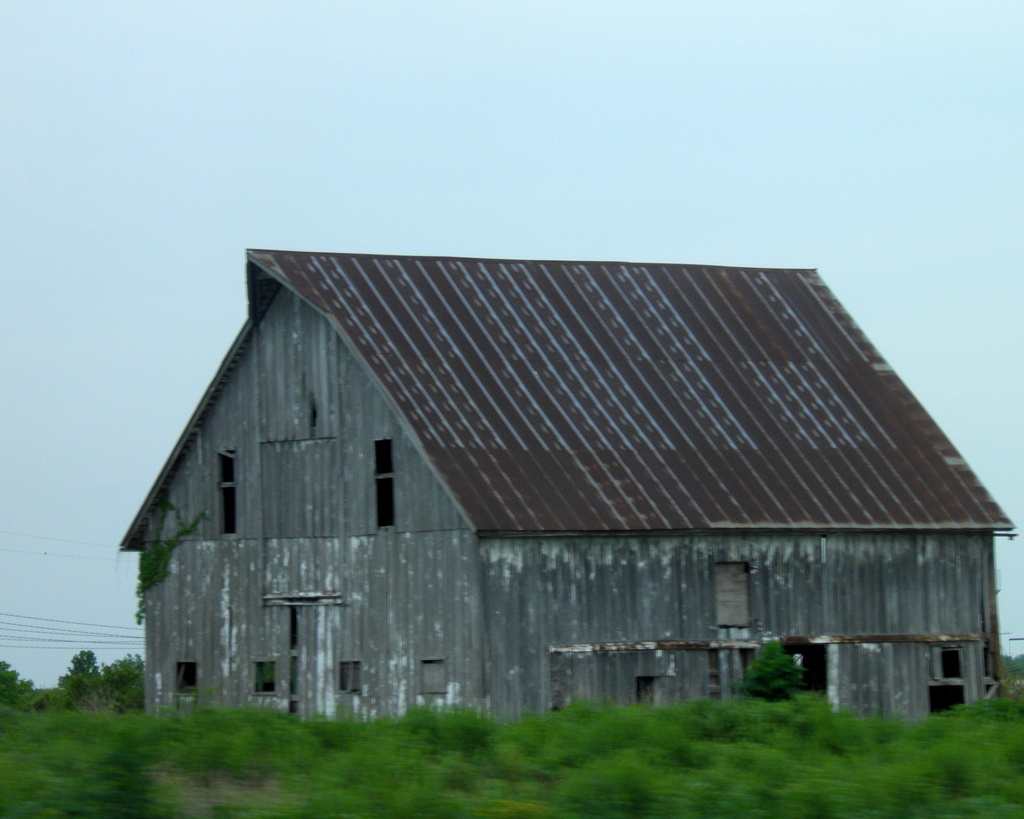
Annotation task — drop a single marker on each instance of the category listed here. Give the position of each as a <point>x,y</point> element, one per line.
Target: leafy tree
<point>773,675</point>
<point>1013,665</point>
<point>88,686</point>
<point>122,684</point>
<point>14,691</point>
<point>1013,677</point>
<point>82,679</point>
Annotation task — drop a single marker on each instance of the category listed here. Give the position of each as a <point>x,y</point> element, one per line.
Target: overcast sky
<point>144,146</point>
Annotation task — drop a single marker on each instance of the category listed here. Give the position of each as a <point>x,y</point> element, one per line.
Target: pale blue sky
<point>144,146</point>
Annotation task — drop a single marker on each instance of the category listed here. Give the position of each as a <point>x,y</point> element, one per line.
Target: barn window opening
<point>312,416</point>
<point>645,690</point>
<point>732,594</point>
<point>433,677</point>
<point>185,678</point>
<point>813,661</point>
<point>228,493</point>
<point>384,477</point>
<point>950,660</point>
<point>349,677</point>
<point>266,677</point>
<point>293,627</point>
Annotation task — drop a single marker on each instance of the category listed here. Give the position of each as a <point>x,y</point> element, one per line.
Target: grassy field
<point>735,759</point>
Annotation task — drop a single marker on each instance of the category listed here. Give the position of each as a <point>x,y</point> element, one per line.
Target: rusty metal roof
<point>566,396</point>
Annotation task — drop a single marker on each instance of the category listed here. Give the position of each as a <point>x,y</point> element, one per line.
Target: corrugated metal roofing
<point>562,396</point>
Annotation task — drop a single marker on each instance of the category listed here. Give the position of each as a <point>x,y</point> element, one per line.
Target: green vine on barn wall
<point>155,561</point>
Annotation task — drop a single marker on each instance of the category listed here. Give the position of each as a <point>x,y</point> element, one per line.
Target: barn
<point>510,484</point>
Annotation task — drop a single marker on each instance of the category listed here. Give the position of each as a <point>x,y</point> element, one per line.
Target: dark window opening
<point>293,627</point>
<point>382,457</point>
<point>746,658</point>
<point>732,594</point>
<point>645,690</point>
<point>185,678</point>
<point>266,677</point>
<point>349,677</point>
<point>312,415</point>
<point>950,659</point>
<point>434,678</point>
<point>385,502</point>
<point>383,470</point>
<point>944,697</point>
<point>228,490</point>
<point>227,466</point>
<point>813,660</point>
<point>293,706</point>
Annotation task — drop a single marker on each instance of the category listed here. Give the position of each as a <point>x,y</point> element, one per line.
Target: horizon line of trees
<point>87,686</point>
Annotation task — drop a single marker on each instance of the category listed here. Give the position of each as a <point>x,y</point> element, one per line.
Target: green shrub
<point>773,675</point>
<point>14,691</point>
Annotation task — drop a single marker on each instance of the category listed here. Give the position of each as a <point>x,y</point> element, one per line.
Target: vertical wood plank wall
<point>301,416</point>
<point>583,589</point>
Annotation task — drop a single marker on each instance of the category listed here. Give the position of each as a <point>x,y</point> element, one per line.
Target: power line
<point>71,642</point>
<point>67,622</point>
<point>58,539</point>
<point>58,554</point>
<point>67,648</point>
<point>43,631</point>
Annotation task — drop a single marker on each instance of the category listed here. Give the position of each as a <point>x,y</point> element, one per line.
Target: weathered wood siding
<point>301,416</point>
<point>586,589</point>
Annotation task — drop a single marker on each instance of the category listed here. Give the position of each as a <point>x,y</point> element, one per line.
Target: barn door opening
<point>946,688</point>
<point>812,660</point>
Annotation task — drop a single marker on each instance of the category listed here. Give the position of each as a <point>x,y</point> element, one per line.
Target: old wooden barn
<point>512,484</point>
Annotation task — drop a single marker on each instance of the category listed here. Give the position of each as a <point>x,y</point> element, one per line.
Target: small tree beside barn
<point>512,484</point>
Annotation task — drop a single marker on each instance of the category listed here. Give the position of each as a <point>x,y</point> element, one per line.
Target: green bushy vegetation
<point>773,676</point>
<point>87,686</point>
<point>741,758</point>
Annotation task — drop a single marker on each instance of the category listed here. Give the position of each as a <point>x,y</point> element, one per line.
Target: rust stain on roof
<point>576,396</point>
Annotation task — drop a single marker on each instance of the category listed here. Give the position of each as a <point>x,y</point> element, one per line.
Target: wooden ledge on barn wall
<point>304,599</point>
<point>675,645</point>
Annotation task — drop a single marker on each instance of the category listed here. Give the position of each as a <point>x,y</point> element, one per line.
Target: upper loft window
<point>384,478</point>
<point>732,594</point>
<point>228,492</point>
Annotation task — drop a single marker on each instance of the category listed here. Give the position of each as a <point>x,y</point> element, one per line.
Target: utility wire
<point>72,642</point>
<point>58,539</point>
<point>65,648</point>
<point>42,631</point>
<point>67,622</point>
<point>58,554</point>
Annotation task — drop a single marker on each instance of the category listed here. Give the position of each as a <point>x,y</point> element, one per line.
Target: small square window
<point>185,678</point>
<point>434,678</point>
<point>950,658</point>
<point>266,677</point>
<point>350,677</point>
